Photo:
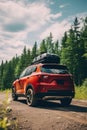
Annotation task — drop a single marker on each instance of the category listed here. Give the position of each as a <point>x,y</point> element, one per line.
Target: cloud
<point>22,22</point>
<point>33,15</point>
<point>57,30</point>
<point>17,20</point>
<point>15,27</point>
<point>55,16</point>
<point>50,2</point>
<point>64,5</point>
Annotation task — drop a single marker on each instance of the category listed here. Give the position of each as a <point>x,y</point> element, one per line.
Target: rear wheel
<point>14,96</point>
<point>31,101</point>
<point>66,101</point>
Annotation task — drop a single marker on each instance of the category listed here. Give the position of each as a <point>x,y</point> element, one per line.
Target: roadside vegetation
<point>6,120</point>
<point>81,91</point>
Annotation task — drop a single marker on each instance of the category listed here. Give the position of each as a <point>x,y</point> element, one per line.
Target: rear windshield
<point>54,69</point>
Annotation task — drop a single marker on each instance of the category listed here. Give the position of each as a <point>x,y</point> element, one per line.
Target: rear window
<point>54,69</point>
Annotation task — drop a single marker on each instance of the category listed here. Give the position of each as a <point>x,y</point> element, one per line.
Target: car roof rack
<point>46,58</point>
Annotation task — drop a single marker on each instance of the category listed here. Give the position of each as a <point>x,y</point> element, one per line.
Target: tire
<point>66,101</point>
<point>31,101</point>
<point>14,96</point>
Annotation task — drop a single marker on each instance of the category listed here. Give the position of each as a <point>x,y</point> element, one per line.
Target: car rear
<point>55,82</point>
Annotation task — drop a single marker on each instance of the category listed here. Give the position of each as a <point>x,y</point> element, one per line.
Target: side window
<point>33,69</point>
<point>30,70</point>
<point>23,73</point>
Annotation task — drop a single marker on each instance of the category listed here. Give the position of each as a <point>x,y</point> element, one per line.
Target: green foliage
<point>81,92</point>
<point>8,73</point>
<point>34,51</point>
<point>43,48</point>
<point>85,83</point>
<point>73,52</point>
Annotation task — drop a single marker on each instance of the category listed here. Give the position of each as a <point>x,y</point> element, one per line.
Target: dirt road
<point>50,115</point>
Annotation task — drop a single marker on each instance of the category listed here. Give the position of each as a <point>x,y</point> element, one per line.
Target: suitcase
<point>46,58</point>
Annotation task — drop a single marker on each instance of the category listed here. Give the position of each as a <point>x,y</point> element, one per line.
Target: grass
<point>81,92</point>
<point>6,90</point>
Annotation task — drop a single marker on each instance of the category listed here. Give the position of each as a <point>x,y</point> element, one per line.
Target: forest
<point>72,50</point>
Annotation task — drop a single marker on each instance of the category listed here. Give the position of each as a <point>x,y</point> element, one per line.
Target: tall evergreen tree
<point>84,41</point>
<point>49,43</point>
<point>72,52</point>
<point>43,48</point>
<point>29,60</point>
<point>64,39</point>
<point>56,48</point>
<point>22,61</point>
<point>8,76</point>
<point>1,69</point>
<point>1,74</point>
<point>34,51</point>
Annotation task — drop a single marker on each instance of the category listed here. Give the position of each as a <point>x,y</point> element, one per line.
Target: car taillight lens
<point>43,78</point>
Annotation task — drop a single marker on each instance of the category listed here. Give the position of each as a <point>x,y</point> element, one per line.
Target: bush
<point>81,92</point>
<point>85,83</point>
<point>5,122</point>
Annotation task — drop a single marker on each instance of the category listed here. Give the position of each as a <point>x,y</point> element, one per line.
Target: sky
<point>22,22</point>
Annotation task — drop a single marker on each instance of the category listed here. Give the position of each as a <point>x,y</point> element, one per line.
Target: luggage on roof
<point>46,58</point>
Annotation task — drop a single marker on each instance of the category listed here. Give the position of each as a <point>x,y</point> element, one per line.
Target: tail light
<point>43,78</point>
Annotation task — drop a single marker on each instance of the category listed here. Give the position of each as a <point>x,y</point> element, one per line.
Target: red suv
<point>44,81</point>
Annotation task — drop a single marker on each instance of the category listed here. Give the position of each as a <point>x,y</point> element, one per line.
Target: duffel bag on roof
<point>46,58</point>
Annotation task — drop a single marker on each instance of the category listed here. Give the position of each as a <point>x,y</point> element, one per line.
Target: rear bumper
<point>56,94</point>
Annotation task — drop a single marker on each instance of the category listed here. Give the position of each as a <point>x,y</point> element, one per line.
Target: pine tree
<point>49,44</point>
<point>72,52</point>
<point>34,51</point>
<point>8,76</point>
<point>43,48</point>
<point>1,74</point>
<point>22,61</point>
<point>29,60</point>
<point>56,48</point>
<point>64,39</point>
<point>84,41</point>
